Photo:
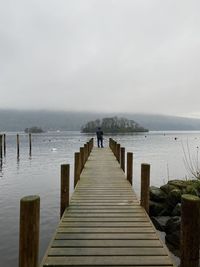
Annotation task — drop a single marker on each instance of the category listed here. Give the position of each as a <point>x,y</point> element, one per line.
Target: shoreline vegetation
<point>113,125</point>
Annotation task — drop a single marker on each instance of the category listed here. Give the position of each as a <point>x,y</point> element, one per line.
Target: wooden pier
<point>104,224</point>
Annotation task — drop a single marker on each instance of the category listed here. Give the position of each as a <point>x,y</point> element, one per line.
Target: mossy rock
<point>190,189</point>
<point>172,230</point>
<point>156,194</point>
<point>177,210</point>
<point>160,222</point>
<point>174,197</point>
<point>167,188</point>
<point>156,208</point>
<point>173,239</point>
<point>180,184</point>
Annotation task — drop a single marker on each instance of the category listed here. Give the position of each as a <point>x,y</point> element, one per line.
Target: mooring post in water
<point>1,146</point>
<point>76,168</point>
<point>190,234</point>
<point>4,144</point>
<point>118,152</point>
<point>29,231</point>
<point>122,158</point>
<point>17,145</point>
<point>64,188</point>
<point>145,182</point>
<point>129,165</point>
<point>30,145</point>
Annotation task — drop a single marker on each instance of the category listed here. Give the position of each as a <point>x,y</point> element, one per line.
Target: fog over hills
<point>18,120</point>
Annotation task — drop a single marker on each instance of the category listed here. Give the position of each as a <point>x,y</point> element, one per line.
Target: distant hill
<point>16,120</point>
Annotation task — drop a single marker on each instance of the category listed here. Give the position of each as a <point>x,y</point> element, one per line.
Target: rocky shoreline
<point>165,207</point>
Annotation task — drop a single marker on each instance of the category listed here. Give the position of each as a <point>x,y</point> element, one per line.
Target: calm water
<point>40,175</point>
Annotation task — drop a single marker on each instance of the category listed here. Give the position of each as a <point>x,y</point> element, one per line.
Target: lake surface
<point>40,175</point>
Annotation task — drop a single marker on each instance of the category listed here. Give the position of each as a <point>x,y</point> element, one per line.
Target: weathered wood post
<point>129,165</point>
<point>145,182</point>
<point>4,144</point>
<point>85,153</point>
<point>190,234</point>
<point>76,168</point>
<point>17,145</point>
<point>81,158</point>
<point>64,189</point>
<point>29,231</point>
<point>118,152</point>
<point>1,147</point>
<point>115,149</point>
<point>122,158</point>
<point>88,149</point>
<point>30,145</point>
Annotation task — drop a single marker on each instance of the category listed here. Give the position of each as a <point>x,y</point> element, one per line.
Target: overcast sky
<point>101,55</point>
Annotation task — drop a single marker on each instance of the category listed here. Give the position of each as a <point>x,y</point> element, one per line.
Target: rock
<point>155,208</point>
<point>173,224</point>
<point>180,184</point>
<point>172,230</point>
<point>160,222</point>
<point>167,188</point>
<point>156,194</point>
<point>190,189</point>
<point>174,197</point>
<point>173,239</point>
<point>177,210</point>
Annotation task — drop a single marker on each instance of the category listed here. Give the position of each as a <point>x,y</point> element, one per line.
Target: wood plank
<point>141,218</point>
<point>137,224</point>
<point>108,260</point>
<point>118,230</point>
<point>107,243</point>
<point>106,251</point>
<point>112,236</point>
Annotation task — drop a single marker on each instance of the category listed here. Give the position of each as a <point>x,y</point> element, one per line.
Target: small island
<point>34,129</point>
<point>113,125</point>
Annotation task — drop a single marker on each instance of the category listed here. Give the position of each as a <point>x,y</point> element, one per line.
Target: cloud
<point>120,55</point>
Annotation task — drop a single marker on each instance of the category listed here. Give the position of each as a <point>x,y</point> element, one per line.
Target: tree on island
<point>34,129</point>
<point>113,125</point>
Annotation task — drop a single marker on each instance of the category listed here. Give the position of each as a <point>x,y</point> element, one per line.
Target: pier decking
<point>104,224</point>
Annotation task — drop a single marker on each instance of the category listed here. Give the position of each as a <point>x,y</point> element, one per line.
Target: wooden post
<point>17,145</point>
<point>76,168</point>
<point>29,231</point>
<point>122,158</point>
<point>30,144</point>
<point>118,152</point>
<point>64,189</point>
<point>85,153</point>
<point>4,144</point>
<point>190,234</point>
<point>115,148</point>
<point>145,182</point>
<point>88,149</point>
<point>81,159</point>
<point>129,167</point>
<point>1,148</point>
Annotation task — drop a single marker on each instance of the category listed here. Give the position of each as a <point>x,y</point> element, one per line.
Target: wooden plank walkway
<point>105,224</point>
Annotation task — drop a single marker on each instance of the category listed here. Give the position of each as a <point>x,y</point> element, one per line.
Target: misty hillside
<point>15,120</point>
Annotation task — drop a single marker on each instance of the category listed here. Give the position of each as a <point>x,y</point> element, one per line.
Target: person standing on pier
<point>99,134</point>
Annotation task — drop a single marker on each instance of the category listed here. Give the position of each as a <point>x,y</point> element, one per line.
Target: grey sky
<point>120,55</point>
